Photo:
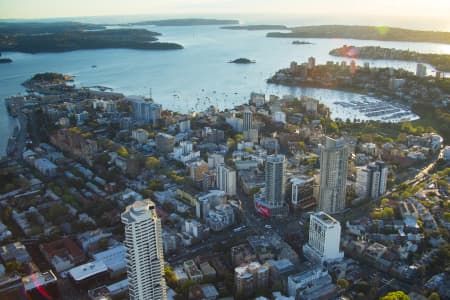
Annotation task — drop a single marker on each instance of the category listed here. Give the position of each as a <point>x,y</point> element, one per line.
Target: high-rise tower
<point>275,180</point>
<point>144,251</point>
<point>248,119</point>
<point>333,175</point>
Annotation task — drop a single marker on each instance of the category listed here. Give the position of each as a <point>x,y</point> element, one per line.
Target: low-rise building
<point>140,135</point>
<point>36,283</point>
<point>62,254</point>
<point>87,274</point>
<point>192,271</point>
<point>15,252</point>
<point>45,167</point>
<point>164,142</point>
<point>250,278</point>
<point>242,254</point>
<point>300,281</point>
<point>114,259</point>
<point>208,271</point>
<point>204,292</point>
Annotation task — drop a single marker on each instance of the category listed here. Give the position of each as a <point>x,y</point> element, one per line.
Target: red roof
<point>62,246</point>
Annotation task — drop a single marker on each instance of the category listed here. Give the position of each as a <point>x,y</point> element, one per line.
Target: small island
<point>301,43</point>
<point>256,27</point>
<point>378,33</point>
<point>440,61</point>
<point>242,61</point>
<point>5,60</point>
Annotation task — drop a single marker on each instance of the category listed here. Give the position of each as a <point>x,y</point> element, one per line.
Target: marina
<point>389,112</point>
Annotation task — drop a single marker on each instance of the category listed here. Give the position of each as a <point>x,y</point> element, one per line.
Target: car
<point>268,226</point>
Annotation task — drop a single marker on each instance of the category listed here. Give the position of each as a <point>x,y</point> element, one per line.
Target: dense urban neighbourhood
<point>272,199</point>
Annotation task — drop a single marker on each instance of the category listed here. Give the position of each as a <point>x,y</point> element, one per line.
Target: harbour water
<point>199,75</point>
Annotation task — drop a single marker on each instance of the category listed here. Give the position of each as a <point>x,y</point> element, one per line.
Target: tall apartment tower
<point>226,180</point>
<point>144,251</point>
<point>248,120</point>
<point>333,175</point>
<point>324,238</point>
<point>275,180</point>
<point>371,181</point>
<point>421,70</point>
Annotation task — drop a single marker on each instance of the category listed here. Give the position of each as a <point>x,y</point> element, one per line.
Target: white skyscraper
<point>333,175</point>
<point>275,180</point>
<point>371,181</point>
<point>324,238</point>
<point>144,251</point>
<point>226,180</point>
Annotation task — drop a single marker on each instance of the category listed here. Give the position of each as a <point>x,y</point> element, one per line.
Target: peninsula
<point>380,33</point>
<point>426,97</point>
<point>440,61</point>
<point>242,61</point>
<point>256,27</point>
<point>140,39</point>
<point>187,22</point>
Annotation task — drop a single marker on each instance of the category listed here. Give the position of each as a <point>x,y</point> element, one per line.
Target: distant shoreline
<point>186,22</point>
<point>381,33</point>
<point>256,27</point>
<point>440,61</point>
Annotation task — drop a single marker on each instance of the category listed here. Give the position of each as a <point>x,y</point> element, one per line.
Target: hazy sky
<point>71,8</point>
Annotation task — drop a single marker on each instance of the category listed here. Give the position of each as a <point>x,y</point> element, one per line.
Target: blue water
<point>197,76</point>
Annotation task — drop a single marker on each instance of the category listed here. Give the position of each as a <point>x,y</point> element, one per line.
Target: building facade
<point>144,251</point>
<point>301,193</point>
<point>275,180</point>
<point>333,175</point>
<point>324,238</point>
<point>248,120</point>
<point>371,181</point>
<point>226,180</point>
<point>145,111</point>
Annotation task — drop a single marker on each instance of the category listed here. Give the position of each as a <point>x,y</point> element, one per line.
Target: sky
<point>433,10</point>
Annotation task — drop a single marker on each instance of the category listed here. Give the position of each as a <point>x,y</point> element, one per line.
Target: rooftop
<point>87,270</point>
<point>113,258</point>
<point>137,211</point>
<point>36,280</point>
<point>326,218</point>
<point>62,246</point>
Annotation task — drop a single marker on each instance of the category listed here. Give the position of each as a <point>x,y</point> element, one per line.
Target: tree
<point>122,151</point>
<point>238,137</point>
<point>13,266</point>
<point>343,283</point>
<point>434,296</point>
<point>397,295</point>
<point>401,138</point>
<point>384,201</point>
<point>152,163</point>
<point>170,276</point>
<point>301,146</point>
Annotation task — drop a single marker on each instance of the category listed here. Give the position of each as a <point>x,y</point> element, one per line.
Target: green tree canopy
<point>397,295</point>
<point>152,163</point>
